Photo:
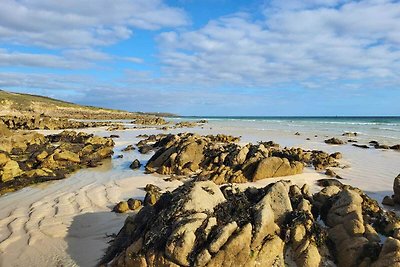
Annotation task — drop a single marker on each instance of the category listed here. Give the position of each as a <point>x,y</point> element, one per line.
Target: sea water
<point>385,130</point>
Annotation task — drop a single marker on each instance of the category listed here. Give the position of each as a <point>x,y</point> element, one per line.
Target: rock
<point>4,131</point>
<point>38,158</point>
<point>396,189</point>
<point>350,134</point>
<point>149,120</point>
<point>276,167</point>
<point>330,173</point>
<point>388,201</point>
<point>374,143</point>
<point>152,188</point>
<point>183,238</point>
<point>395,147</point>
<point>200,224</point>
<point>390,253</point>
<point>10,170</point>
<point>297,133</point>
<point>67,156</point>
<point>222,236</point>
<point>218,159</point>
<point>99,141</point>
<point>128,148</point>
<point>134,204</point>
<point>114,136</point>
<point>346,222</point>
<point>4,158</point>
<point>329,182</point>
<point>145,149</point>
<point>119,156</point>
<point>151,198</point>
<point>135,164</point>
<point>118,127</point>
<point>336,155</point>
<point>121,207</point>
<point>203,197</point>
<point>382,147</point>
<point>334,141</point>
<point>47,123</point>
<point>361,146</point>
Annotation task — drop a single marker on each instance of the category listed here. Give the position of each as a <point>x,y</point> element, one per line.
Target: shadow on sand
<point>89,234</point>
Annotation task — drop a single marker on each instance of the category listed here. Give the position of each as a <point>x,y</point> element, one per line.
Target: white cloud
<point>18,59</point>
<point>297,42</point>
<point>67,60</point>
<point>80,24</point>
<point>132,59</point>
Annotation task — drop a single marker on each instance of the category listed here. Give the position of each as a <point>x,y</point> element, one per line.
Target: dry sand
<point>68,222</point>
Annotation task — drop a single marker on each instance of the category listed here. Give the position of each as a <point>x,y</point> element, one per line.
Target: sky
<point>207,57</point>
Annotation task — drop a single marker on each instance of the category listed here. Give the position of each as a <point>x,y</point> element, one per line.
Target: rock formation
<point>219,159</point>
<point>149,120</point>
<point>201,224</point>
<point>27,157</point>
<point>47,123</point>
<point>334,141</point>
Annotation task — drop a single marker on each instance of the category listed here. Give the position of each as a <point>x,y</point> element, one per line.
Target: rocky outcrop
<point>149,120</point>
<point>116,127</point>
<point>27,158</point>
<point>334,141</point>
<point>189,124</point>
<point>201,224</point>
<point>47,123</point>
<point>219,159</point>
<point>395,198</point>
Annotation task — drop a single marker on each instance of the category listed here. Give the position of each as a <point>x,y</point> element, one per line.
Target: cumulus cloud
<point>301,42</point>
<point>80,24</point>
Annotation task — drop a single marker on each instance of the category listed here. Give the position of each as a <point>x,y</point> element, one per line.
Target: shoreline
<point>74,214</point>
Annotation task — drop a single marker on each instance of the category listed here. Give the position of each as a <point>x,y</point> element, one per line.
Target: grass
<point>24,101</point>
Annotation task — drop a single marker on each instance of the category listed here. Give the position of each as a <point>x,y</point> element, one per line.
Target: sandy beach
<point>69,222</point>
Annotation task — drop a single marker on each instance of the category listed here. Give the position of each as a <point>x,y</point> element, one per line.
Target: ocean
<point>381,129</point>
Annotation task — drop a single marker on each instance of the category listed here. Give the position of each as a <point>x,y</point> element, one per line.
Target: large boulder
<point>9,171</point>
<point>67,156</point>
<point>276,167</point>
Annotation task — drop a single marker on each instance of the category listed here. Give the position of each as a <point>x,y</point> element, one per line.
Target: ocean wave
<point>386,129</point>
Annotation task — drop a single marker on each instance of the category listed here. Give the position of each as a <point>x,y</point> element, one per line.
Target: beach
<point>69,222</point>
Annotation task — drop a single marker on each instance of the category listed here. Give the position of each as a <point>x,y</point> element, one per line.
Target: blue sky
<point>207,57</point>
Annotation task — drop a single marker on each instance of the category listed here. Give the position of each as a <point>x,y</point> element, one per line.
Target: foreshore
<point>69,222</point>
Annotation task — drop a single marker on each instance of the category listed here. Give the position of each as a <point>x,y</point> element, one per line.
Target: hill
<point>17,104</point>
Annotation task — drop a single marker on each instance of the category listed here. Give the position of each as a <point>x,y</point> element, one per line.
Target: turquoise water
<point>383,129</point>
